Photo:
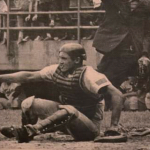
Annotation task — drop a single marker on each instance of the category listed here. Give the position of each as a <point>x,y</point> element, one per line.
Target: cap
<point>74,50</point>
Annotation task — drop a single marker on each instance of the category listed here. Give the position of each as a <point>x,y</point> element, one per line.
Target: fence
<point>79,10</point>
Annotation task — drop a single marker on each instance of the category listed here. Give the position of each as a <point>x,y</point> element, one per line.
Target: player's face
<point>65,62</point>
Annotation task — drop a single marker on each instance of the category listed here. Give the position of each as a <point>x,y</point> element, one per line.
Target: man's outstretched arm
<point>117,103</point>
<point>21,77</point>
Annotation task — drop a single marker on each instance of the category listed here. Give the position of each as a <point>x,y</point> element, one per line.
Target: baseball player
<point>80,107</point>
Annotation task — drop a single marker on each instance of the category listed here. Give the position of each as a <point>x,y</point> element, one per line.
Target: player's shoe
<point>7,131</point>
<point>21,134</point>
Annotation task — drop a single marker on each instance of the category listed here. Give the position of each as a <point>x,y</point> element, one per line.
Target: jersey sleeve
<point>93,81</point>
<point>47,72</point>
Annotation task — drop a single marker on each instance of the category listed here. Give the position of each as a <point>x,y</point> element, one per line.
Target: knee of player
<point>27,103</point>
<point>70,109</point>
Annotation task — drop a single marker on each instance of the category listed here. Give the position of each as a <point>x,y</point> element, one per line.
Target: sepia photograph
<point>74,74</point>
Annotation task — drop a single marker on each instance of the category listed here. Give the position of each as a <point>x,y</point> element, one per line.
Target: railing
<point>78,26</point>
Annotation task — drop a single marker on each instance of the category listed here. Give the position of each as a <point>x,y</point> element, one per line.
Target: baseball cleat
<point>7,131</point>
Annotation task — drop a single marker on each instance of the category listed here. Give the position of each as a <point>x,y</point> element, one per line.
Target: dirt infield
<point>57,141</point>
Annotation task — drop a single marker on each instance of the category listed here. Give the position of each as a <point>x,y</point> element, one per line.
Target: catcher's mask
<point>74,50</point>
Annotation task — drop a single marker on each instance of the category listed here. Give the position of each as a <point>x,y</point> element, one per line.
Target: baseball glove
<point>111,139</point>
<point>115,131</point>
<point>7,131</point>
<point>113,135</point>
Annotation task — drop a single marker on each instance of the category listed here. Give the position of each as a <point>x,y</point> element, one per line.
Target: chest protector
<point>71,90</point>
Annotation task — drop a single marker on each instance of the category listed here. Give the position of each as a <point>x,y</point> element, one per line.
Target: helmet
<point>74,50</point>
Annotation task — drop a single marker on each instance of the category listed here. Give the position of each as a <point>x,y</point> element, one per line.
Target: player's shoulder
<point>91,71</point>
<point>54,66</point>
<point>50,69</point>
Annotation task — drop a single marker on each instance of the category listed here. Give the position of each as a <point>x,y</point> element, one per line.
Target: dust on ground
<point>54,141</point>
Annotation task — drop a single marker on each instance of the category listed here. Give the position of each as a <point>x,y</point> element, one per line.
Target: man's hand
<point>115,130</point>
<point>97,3</point>
<point>34,18</point>
<point>144,64</point>
<point>28,18</point>
<point>115,134</point>
<point>144,60</point>
<point>112,131</point>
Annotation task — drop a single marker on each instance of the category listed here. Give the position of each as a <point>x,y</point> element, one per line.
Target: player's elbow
<point>116,94</point>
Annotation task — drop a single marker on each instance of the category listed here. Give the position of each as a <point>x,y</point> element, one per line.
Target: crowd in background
<point>50,20</point>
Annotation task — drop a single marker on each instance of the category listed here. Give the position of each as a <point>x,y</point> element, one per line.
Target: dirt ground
<point>62,142</point>
<point>57,141</point>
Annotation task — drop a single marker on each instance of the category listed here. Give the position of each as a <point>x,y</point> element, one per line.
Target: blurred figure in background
<point>22,5</point>
<point>3,8</point>
<point>39,19</point>
<point>14,95</point>
<point>136,89</point>
<point>130,91</point>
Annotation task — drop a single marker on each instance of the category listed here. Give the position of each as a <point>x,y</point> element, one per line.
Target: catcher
<point>80,107</point>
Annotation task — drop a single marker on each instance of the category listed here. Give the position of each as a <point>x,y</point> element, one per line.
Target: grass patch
<point>138,119</point>
<point>128,119</point>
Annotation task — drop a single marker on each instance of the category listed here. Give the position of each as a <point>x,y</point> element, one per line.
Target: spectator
<point>22,5</point>
<point>90,19</point>
<point>66,20</point>
<point>129,88</point>
<point>14,95</point>
<point>3,8</point>
<point>40,19</point>
<point>147,100</point>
